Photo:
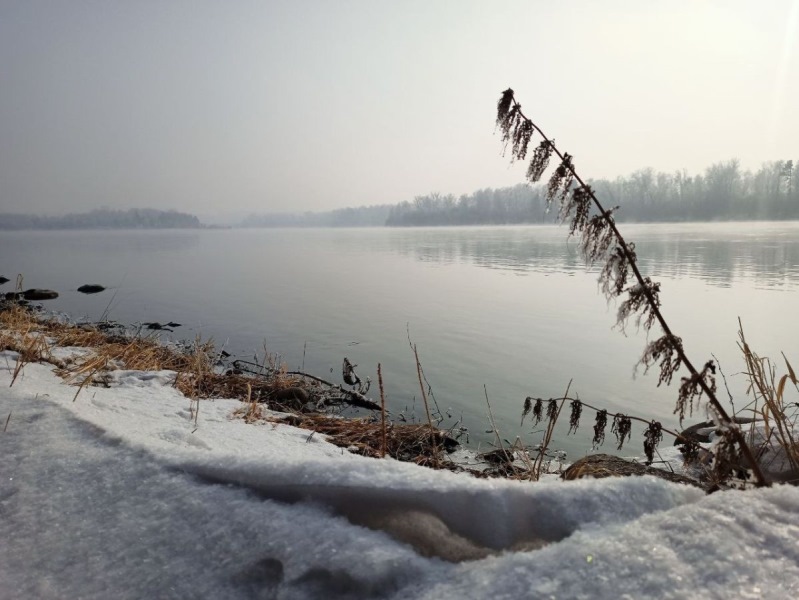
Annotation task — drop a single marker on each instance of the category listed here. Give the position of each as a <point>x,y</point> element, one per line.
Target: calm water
<point>509,308</point>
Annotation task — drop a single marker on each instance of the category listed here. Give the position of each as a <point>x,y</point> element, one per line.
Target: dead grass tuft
<point>197,378</point>
<point>405,442</point>
<point>776,449</point>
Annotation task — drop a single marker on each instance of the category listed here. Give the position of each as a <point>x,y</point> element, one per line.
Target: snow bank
<point>121,492</point>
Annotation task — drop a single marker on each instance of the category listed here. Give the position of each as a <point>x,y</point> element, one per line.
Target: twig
<point>548,435</point>
<point>382,412</point>
<point>634,418</point>
<point>353,397</point>
<point>491,418</point>
<point>724,379</point>
<point>426,408</point>
<point>438,412</point>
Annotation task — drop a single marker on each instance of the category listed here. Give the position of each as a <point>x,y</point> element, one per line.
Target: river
<point>506,312</point>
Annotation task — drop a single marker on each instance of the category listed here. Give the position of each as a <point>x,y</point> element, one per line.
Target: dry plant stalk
<point>382,412</point>
<point>253,411</point>
<point>491,418</point>
<point>404,441</point>
<point>769,399</point>
<point>426,408</point>
<point>601,241</point>
<point>553,418</point>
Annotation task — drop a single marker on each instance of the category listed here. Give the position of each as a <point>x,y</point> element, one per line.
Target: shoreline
<point>268,392</point>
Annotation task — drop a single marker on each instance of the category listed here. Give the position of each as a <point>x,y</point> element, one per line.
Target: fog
<point>216,108</point>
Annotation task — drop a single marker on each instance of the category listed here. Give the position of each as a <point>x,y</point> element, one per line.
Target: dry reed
<point>770,407</point>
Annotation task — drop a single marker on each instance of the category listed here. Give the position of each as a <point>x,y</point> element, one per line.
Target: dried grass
<point>405,442</point>
<point>770,406</point>
<point>196,378</point>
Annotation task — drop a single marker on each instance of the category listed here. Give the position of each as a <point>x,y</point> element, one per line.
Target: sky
<point>286,106</point>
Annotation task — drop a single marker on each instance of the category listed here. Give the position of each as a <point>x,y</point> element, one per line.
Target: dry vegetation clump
<point>19,332</point>
<point>772,432</point>
<point>34,338</point>
<point>403,441</point>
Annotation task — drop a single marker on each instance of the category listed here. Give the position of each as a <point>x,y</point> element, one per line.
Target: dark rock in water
<point>4,280</point>
<point>37,294</point>
<point>91,289</point>
<point>293,396</point>
<point>156,326</point>
<point>605,465</point>
<point>700,433</point>
<point>12,296</point>
<point>497,456</point>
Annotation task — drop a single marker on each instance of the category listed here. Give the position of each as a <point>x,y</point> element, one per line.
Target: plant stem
<point>714,402</point>
<point>433,444</point>
<point>382,412</point>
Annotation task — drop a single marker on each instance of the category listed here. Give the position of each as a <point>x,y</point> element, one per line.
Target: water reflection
<point>719,253</point>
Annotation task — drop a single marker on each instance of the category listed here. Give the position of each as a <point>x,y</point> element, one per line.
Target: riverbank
<point>133,488</point>
<point>88,355</point>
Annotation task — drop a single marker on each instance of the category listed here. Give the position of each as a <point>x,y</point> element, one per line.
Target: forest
<point>362,216</point>
<point>723,192</point>
<point>103,218</point>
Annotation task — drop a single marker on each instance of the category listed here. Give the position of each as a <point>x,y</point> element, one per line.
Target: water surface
<point>511,311</point>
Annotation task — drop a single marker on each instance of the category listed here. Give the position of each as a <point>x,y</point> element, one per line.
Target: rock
<point>156,326</point>
<point>605,465</point>
<point>292,396</point>
<point>91,289</point>
<point>37,294</point>
<point>498,456</point>
<point>4,280</point>
<point>293,420</point>
<point>701,432</point>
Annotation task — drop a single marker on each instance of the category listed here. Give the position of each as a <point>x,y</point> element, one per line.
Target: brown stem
<point>634,418</point>
<point>426,408</point>
<point>761,480</point>
<point>382,412</point>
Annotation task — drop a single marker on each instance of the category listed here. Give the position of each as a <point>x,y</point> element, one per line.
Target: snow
<point>122,494</point>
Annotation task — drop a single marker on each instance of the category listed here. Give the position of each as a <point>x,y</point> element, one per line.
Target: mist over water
<point>513,309</point>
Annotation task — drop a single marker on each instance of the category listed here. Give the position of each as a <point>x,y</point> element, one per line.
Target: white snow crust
<point>120,494</point>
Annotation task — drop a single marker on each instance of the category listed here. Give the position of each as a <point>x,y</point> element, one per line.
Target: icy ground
<point>119,495</point>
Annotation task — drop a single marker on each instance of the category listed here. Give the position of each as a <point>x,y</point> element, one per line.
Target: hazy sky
<point>300,105</point>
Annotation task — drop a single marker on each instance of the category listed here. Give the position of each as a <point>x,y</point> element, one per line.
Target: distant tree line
<point>363,216</point>
<point>723,192</point>
<point>103,218</point>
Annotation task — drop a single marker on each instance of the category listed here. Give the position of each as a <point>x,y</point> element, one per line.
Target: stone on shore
<point>605,465</point>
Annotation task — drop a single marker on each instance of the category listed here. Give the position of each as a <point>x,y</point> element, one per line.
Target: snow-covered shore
<point>120,494</point>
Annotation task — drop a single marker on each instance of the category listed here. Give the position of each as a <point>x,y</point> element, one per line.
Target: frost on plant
<point>540,161</point>
<point>622,426</point>
<point>600,424</point>
<point>561,180</point>
<point>641,301</point>
<point>652,437</point>
<point>552,409</point>
<point>574,417</point>
<point>577,207</point>
<point>691,389</point>
<point>664,352</point>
